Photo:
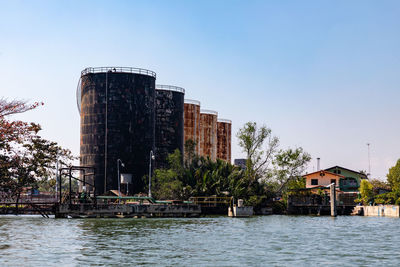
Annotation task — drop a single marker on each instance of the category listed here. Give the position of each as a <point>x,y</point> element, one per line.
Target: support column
<point>333,200</point>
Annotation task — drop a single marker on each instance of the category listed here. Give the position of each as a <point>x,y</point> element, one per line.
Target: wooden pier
<point>314,204</point>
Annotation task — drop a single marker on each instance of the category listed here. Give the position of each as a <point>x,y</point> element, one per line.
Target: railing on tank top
<point>192,102</point>
<point>170,88</point>
<point>118,70</point>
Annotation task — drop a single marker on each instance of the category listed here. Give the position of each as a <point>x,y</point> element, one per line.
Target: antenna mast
<point>369,162</point>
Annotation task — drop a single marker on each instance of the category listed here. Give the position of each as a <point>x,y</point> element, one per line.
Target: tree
<point>366,191</point>
<point>167,183</point>
<point>376,183</point>
<point>393,177</point>
<point>25,157</point>
<point>260,147</point>
<point>15,131</point>
<point>290,165</point>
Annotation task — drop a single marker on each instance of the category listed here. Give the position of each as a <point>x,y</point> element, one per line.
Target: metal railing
<point>225,121</point>
<point>193,102</point>
<point>211,201</point>
<point>207,111</point>
<point>118,70</point>
<point>170,88</point>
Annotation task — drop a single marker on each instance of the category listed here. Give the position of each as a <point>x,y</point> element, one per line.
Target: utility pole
<point>106,136</point>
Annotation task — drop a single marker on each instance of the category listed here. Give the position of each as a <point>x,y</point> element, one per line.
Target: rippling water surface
<point>212,241</point>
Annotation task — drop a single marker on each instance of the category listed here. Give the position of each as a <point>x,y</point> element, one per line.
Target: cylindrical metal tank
<point>117,109</point>
<point>192,123</point>
<point>208,133</point>
<point>224,131</point>
<point>169,122</point>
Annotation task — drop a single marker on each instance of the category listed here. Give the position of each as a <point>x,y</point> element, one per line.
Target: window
<point>339,171</point>
<point>333,181</point>
<point>314,181</point>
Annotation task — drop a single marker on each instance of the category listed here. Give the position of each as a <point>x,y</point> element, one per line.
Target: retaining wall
<point>382,211</point>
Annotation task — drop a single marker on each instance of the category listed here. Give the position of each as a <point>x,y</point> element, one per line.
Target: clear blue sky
<point>324,75</point>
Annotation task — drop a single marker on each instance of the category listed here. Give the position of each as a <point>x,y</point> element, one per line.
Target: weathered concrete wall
<point>208,134</point>
<point>382,211</point>
<point>224,128</point>
<point>245,211</point>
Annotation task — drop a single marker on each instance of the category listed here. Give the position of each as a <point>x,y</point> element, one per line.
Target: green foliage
<point>257,201</point>
<point>260,147</point>
<point>257,184</point>
<point>380,184</point>
<point>279,207</point>
<point>266,166</point>
<point>386,198</point>
<point>167,183</point>
<point>393,177</point>
<point>26,159</point>
<point>290,165</point>
<point>201,177</point>
<point>366,192</point>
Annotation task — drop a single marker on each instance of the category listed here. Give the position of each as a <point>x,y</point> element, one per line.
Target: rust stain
<point>208,135</point>
<point>224,131</point>
<point>192,124</point>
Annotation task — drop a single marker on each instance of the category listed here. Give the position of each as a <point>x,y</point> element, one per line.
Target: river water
<point>210,241</point>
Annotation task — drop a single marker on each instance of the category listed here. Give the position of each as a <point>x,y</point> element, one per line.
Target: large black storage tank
<point>119,126</point>
<point>169,122</point>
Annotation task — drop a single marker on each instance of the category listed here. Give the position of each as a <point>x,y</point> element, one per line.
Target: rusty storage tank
<point>208,133</point>
<point>117,109</point>
<point>224,131</point>
<point>192,123</point>
<point>169,122</point>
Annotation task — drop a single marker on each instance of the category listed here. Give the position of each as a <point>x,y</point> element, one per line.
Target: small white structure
<point>240,210</point>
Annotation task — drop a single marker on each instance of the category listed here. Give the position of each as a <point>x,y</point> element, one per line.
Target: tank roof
<point>170,88</point>
<point>224,121</point>
<point>193,102</point>
<point>118,70</point>
<point>207,111</point>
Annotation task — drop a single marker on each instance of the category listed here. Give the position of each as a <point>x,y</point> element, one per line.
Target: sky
<point>323,75</point>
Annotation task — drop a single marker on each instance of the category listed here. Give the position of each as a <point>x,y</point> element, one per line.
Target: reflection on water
<point>213,241</point>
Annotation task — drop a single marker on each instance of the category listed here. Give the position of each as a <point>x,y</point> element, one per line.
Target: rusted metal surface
<point>169,122</point>
<point>192,122</point>
<point>208,134</point>
<point>124,130</point>
<point>224,129</point>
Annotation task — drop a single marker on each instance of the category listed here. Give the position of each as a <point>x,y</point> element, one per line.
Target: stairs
<point>358,211</point>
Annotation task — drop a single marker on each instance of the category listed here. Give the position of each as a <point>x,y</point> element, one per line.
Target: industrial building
<point>192,123</point>
<point>224,134</point>
<point>117,124</point>
<point>169,122</point>
<point>129,126</point>
<point>208,133</point>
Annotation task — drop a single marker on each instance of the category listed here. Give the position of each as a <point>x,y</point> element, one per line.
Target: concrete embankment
<point>382,211</point>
